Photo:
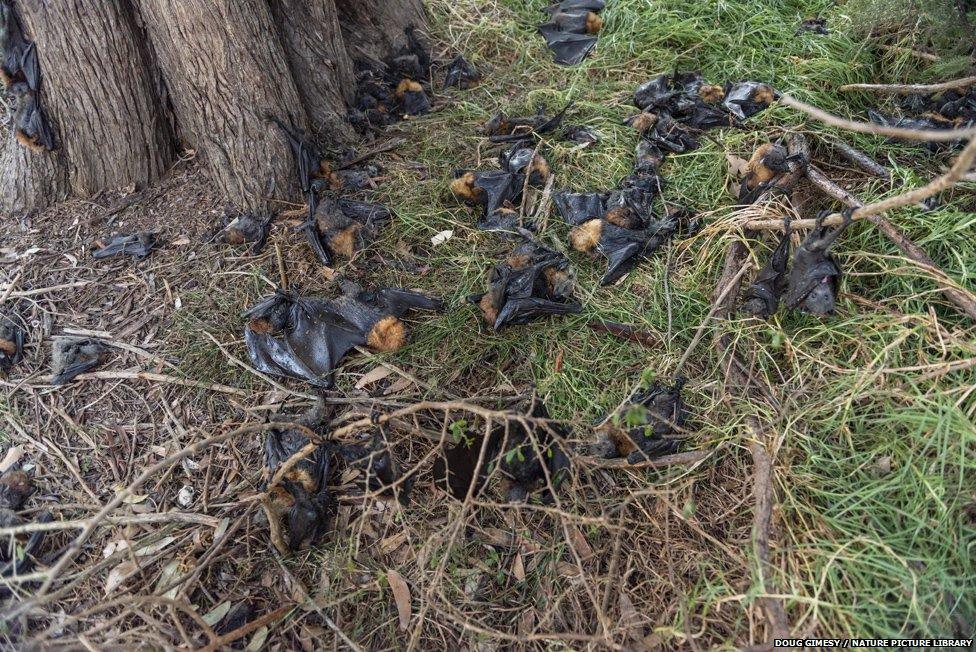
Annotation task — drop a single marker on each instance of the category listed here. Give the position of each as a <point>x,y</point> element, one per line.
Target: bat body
<point>305,338</point>
<point>501,128</point>
<point>623,247</point>
<point>12,339</point>
<point>30,124</point>
<point>570,32</point>
<point>379,466</point>
<point>73,356</point>
<point>461,74</point>
<point>651,416</point>
<point>247,228</point>
<point>520,159</point>
<point>303,496</point>
<point>815,276</point>
<point>18,56</point>
<point>766,166</point>
<point>20,562</point>
<point>138,245</point>
<point>531,283</point>
<point>762,297</point>
<point>525,453</point>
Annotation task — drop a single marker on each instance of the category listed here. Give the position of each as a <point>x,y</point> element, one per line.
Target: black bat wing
<point>311,231</point>
<point>30,67</point>
<point>576,208</point>
<point>398,302</point>
<point>569,49</point>
<point>521,311</point>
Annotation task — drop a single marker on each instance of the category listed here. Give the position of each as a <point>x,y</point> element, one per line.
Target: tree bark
<point>374,29</point>
<point>97,94</point>
<point>123,79</point>
<point>226,71</point>
<point>317,57</point>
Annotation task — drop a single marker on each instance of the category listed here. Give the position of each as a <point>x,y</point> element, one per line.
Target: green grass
<point>860,552</point>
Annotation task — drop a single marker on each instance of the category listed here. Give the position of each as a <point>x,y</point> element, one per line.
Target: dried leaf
<point>398,386</point>
<point>580,544</point>
<point>118,575</point>
<point>257,641</point>
<point>737,165</point>
<point>134,499</point>
<point>217,614</point>
<point>401,594</point>
<point>442,237</point>
<point>181,241</point>
<point>14,453</point>
<point>370,377</point>
<point>630,620</point>
<point>518,568</point>
<point>566,569</point>
<point>391,543</point>
<point>221,528</point>
<point>170,572</point>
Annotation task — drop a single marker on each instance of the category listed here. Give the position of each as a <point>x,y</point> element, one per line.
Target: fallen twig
<point>908,89</point>
<point>860,159</point>
<point>246,629</point>
<point>928,135</point>
<point>161,378</point>
<point>626,332</point>
<point>688,457</point>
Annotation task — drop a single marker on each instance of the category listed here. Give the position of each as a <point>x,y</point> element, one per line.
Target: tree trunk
<point>123,78</point>
<point>97,94</point>
<point>374,29</point>
<point>226,72</point>
<point>317,57</point>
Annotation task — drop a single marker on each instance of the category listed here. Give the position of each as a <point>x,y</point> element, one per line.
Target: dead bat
<point>137,245</point>
<point>15,488</point>
<point>413,99</point>
<point>12,339</point>
<point>765,167</point>
<point>303,498</point>
<point>521,159</point>
<point>18,56</point>
<point>492,189</point>
<point>305,338</point>
<point>73,356</point>
<point>581,134</point>
<point>928,121</point>
<point>814,24</point>
<point>380,467</point>
<point>815,275</point>
<point>747,98</point>
<point>461,74</point>
<point>570,32</point>
<point>506,221</point>
<point>246,228</point>
<point>623,247</point>
<point>343,229</point>
<point>310,164</point>
<point>30,124</point>
<point>762,297</point>
<point>503,129</point>
<point>575,208</point>
<point>649,417</point>
<point>532,282</point>
<point>18,558</point>
<point>567,48</point>
<point>524,452</point>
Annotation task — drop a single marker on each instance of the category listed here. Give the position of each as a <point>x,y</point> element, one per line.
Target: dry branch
<point>908,89</point>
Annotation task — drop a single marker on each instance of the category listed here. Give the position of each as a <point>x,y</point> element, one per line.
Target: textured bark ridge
<point>316,53</point>
<point>226,72</point>
<point>125,81</point>
<point>97,95</point>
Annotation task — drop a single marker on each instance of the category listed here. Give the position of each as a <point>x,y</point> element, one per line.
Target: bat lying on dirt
<point>73,356</point>
<point>12,339</point>
<point>305,338</point>
<point>343,228</point>
<point>762,297</point>
<point>815,276</point>
<point>137,245</point>
<point>571,29</point>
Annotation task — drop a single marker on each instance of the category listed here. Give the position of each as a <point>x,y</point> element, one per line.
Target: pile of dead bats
<point>951,109</point>
<point>571,29</point>
<point>21,75</point>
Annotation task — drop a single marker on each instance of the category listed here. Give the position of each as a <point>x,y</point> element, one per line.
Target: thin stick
<point>860,159</point>
<point>932,135</point>
<point>135,519</point>
<point>716,306</point>
<point>161,378</point>
<point>909,89</point>
<point>689,457</point>
<point>626,332</point>
<point>247,628</point>
<point>282,275</point>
